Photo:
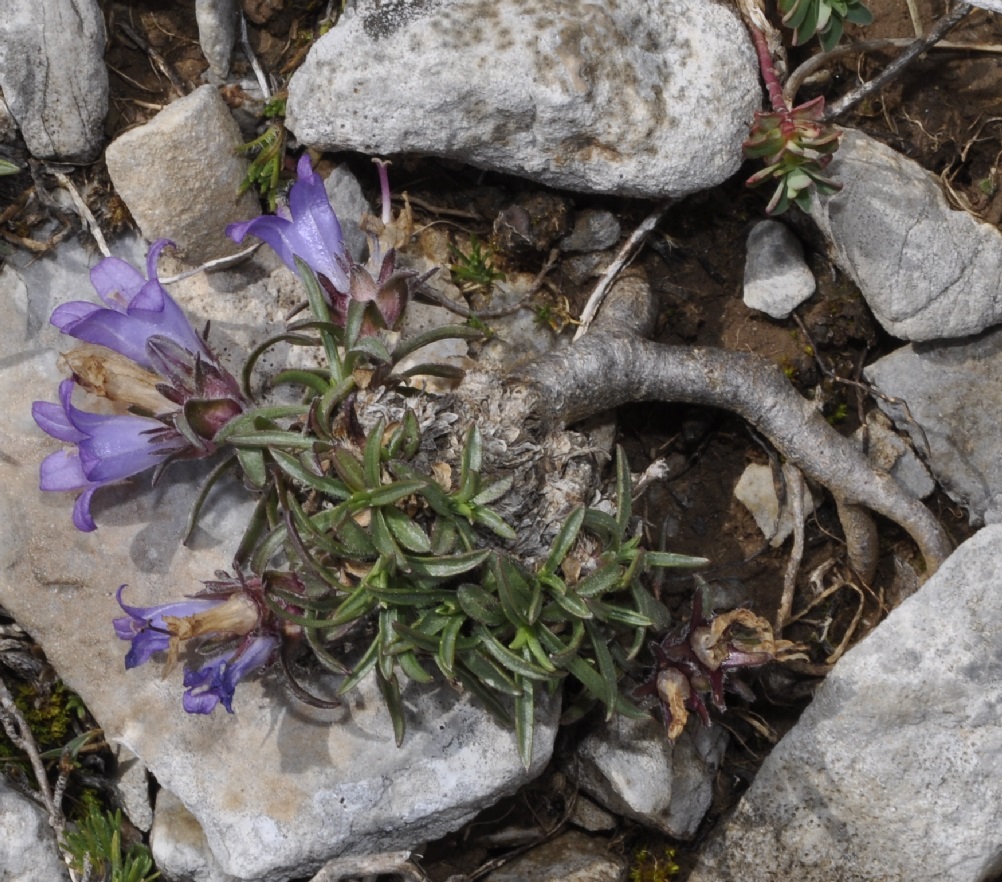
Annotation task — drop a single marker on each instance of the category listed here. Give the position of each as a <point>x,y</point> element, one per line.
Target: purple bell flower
<point>216,680</point>
<point>136,310</point>
<point>308,229</point>
<point>109,448</point>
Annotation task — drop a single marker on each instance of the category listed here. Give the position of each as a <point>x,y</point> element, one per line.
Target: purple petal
<point>120,446</point>
<point>82,519</point>
<point>117,281</point>
<point>146,628</point>
<point>53,420</point>
<point>218,678</point>
<point>68,315</point>
<point>62,471</point>
<point>270,229</point>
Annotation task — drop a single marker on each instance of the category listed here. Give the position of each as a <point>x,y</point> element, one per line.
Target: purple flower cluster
<point>229,614</point>
<point>140,322</point>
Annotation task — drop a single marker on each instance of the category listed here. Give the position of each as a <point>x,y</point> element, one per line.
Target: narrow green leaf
<point>481,606</point>
<point>525,718</point>
<point>385,544</point>
<point>406,531</point>
<point>359,603</point>
<point>312,380</point>
<point>276,438</point>
<point>446,655</point>
<point>372,347</point>
<point>599,582</point>
<point>508,659</point>
<point>607,612</point>
<point>364,665</point>
<point>512,590</point>
<point>409,596</point>
<point>574,605</point>
<point>606,669</point>
<point>443,537</point>
<point>495,523</point>
<point>447,332</point>
<point>624,493</point>
<point>488,672</point>
<point>318,306</point>
<point>494,492</point>
<point>335,396</point>
<point>564,540</point>
<point>471,682</point>
<point>349,469</point>
<point>253,465</point>
<point>410,665</point>
<point>259,416</point>
<point>448,567</point>
<point>372,455</point>
<point>392,493</point>
<point>473,451</point>
<point>390,689</point>
<point>294,468</point>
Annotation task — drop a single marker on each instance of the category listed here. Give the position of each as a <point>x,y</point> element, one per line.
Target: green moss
<point>653,865</point>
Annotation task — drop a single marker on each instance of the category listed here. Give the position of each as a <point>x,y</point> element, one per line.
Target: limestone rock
<point>777,280</point>
<point>889,774</point>
<point>28,851</point>
<point>53,76</point>
<point>192,195</point>
<point>632,769</point>
<point>217,32</point>
<point>756,491</point>
<point>594,229</point>
<point>952,392</point>
<point>927,272</point>
<point>634,98</point>
<point>277,788</point>
<point>572,857</point>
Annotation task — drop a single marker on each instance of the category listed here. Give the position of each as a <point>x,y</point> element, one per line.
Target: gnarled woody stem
<point>613,366</point>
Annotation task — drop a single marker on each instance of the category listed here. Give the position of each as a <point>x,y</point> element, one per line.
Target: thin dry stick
<point>815,63</point>
<point>85,213</point>
<point>158,60</point>
<point>217,264</point>
<point>623,260</point>
<point>942,27</point>
<point>795,491</point>
<point>19,733</point>
<point>262,80</point>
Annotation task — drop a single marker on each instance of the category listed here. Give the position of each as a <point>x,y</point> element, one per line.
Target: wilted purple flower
<point>146,627</point>
<point>216,680</point>
<point>136,310</point>
<point>309,229</point>
<point>699,658</point>
<point>156,361</point>
<point>234,609</point>
<point>109,448</point>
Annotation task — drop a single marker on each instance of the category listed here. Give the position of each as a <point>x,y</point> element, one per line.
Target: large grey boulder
<point>892,772</point>
<point>180,178</point>
<point>277,788</point>
<point>53,77</point>
<point>927,272</point>
<point>632,97</point>
<point>954,401</point>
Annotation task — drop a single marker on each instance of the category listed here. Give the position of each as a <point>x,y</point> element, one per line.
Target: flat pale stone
<point>28,851</point>
<point>892,771</point>
<point>632,97</point>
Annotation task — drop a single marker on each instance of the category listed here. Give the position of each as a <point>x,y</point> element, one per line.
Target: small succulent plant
<point>826,18</point>
<point>796,147</point>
